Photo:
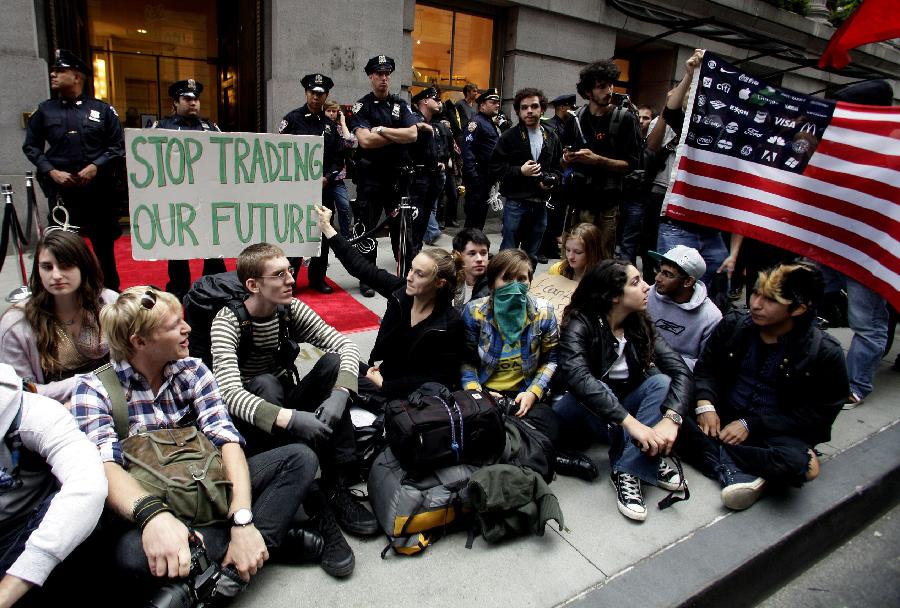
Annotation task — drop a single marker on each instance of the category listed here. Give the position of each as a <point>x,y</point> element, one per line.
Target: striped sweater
<point>304,326</point>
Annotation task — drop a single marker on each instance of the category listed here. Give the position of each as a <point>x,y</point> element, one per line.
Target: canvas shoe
<point>628,496</point>
<point>668,478</point>
<point>739,489</point>
<point>853,402</point>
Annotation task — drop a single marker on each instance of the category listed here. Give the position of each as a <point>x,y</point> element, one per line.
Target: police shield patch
<point>356,107</point>
<point>282,126</point>
<point>472,126</point>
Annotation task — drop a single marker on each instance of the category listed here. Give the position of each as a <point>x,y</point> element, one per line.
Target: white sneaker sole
<point>740,496</point>
<point>671,486</point>
<point>624,510</point>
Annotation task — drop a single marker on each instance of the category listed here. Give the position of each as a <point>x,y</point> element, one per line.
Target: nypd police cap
<point>428,93</point>
<point>185,88</point>
<point>320,83</point>
<point>380,63</point>
<point>67,60</point>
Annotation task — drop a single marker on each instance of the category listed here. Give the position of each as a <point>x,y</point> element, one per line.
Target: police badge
<point>396,111</point>
<point>282,126</point>
<point>356,107</point>
<point>472,126</point>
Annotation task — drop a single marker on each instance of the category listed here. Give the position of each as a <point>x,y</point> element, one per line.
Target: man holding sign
<point>185,96</point>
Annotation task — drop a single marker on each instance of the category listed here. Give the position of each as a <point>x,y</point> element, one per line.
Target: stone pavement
<point>695,553</point>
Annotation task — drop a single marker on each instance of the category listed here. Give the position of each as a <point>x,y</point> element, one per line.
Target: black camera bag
<point>436,428</point>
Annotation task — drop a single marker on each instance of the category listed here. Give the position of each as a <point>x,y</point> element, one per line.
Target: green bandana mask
<point>509,310</point>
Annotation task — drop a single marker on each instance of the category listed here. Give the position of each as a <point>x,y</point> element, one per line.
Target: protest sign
<point>202,194</point>
<point>554,288</point>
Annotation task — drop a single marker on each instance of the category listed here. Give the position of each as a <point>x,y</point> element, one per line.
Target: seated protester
<point>514,337</point>
<point>53,487</point>
<point>270,406</point>
<point>678,305</point>
<point>164,388</point>
<point>421,335</point>
<point>621,374</point>
<point>472,246</point>
<point>581,252</point>
<point>769,386</point>
<point>55,333</point>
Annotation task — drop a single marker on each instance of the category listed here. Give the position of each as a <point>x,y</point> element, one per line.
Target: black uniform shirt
<point>391,112</point>
<point>478,144</point>
<point>303,122</point>
<point>183,123</point>
<point>78,131</point>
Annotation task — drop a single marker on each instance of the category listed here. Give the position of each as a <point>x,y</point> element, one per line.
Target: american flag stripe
<point>843,210</point>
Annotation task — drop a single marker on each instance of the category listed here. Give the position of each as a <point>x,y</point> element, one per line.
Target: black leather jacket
<point>810,388</point>
<point>587,349</point>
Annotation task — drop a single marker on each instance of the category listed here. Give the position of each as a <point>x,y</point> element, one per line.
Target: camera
<point>548,180</point>
<point>206,586</point>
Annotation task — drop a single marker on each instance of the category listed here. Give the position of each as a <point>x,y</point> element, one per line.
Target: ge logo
<point>711,64</point>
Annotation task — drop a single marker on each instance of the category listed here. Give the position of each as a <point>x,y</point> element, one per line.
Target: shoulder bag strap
<point>119,409</point>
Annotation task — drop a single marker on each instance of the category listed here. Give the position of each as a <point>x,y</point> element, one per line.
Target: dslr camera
<point>208,584</point>
<point>549,180</point>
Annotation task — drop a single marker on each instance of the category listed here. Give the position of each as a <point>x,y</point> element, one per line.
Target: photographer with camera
<point>601,146</point>
<point>273,406</point>
<point>526,162</point>
<point>153,408</point>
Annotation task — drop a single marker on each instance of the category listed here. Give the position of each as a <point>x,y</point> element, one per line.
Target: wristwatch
<point>378,130</point>
<point>242,517</point>
<point>674,417</point>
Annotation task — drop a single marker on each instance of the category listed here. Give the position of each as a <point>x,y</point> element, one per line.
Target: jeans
<point>279,479</point>
<point>532,216</point>
<point>867,315</point>
<point>644,403</point>
<point>632,219</point>
<point>433,231</point>
<point>707,241</point>
<point>340,449</point>
<point>17,532</point>
<point>338,191</point>
<point>782,460</point>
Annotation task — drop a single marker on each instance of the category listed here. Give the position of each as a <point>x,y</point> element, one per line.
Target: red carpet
<point>339,309</point>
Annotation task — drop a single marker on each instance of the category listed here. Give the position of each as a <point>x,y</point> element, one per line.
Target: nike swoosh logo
<point>724,71</point>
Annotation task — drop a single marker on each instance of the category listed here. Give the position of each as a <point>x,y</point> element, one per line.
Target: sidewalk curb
<point>741,558</point>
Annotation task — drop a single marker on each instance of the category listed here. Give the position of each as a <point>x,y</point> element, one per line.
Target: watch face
<point>242,517</point>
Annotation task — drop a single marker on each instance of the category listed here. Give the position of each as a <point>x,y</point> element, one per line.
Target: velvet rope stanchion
<point>13,229</point>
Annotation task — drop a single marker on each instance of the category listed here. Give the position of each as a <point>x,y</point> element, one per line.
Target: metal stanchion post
<point>12,229</point>
<point>34,215</point>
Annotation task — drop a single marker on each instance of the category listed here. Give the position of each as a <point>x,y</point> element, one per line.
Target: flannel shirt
<point>539,341</point>
<point>187,385</point>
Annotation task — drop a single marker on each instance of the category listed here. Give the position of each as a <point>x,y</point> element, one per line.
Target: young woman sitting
<point>55,333</point>
<point>421,335</point>
<point>620,373</point>
<point>581,252</point>
<point>515,338</point>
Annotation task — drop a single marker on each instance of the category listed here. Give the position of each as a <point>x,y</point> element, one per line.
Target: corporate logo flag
<point>816,177</point>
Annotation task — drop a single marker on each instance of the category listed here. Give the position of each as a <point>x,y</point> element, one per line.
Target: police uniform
<point>428,179</point>
<point>478,144</point>
<point>378,170</point>
<point>303,122</point>
<point>180,270</point>
<point>556,217</point>
<point>77,132</point>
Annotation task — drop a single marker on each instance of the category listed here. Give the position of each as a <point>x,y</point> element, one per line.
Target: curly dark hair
<point>70,250</point>
<point>529,92</point>
<point>599,71</point>
<point>594,296</point>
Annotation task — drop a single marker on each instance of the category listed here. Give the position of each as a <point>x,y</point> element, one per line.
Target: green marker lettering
<point>140,140</point>
<point>310,224</point>
<point>136,227</point>
<point>184,224</point>
<point>222,142</point>
<point>274,169</point>
<point>239,156</point>
<point>192,156</point>
<point>285,150</point>
<point>218,218</point>
<point>162,238</point>
<point>300,165</point>
<point>315,164</point>
<point>173,143</point>
<point>158,141</point>
<point>259,160</point>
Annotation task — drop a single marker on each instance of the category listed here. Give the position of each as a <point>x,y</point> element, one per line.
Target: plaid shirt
<point>188,388</point>
<point>539,341</point>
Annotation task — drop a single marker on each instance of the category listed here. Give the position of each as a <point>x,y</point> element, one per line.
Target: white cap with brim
<point>687,258</point>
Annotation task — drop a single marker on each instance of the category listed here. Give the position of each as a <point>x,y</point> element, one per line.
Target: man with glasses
<point>681,311</point>
<point>272,405</point>
<point>310,119</point>
<point>185,96</point>
<point>384,126</point>
<point>481,135</point>
<point>526,163</point>
<point>601,146</point>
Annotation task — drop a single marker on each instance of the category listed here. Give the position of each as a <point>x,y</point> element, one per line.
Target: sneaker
<point>739,490</point>
<point>337,556</point>
<point>628,496</point>
<point>351,515</point>
<point>366,291</point>
<point>853,401</point>
<point>667,478</point>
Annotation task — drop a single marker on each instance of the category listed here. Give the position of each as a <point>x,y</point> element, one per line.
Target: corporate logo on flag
<point>733,110</point>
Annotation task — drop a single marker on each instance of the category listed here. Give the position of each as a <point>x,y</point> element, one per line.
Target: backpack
<point>415,510</point>
<point>207,296</point>
<point>436,428</point>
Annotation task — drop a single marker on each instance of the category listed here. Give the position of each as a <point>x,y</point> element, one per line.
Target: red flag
<point>873,21</point>
<point>819,178</point>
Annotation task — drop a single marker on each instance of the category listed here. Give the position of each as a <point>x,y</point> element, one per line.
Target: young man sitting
<point>681,311</point>
<point>272,408</point>
<point>472,246</point>
<point>769,386</point>
<point>163,388</point>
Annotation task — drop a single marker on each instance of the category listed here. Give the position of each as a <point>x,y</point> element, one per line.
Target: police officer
<point>556,216</point>
<point>426,154</point>
<point>561,107</point>
<point>478,144</point>
<point>185,96</point>
<point>384,126</point>
<point>84,143</point>
<point>310,119</point>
